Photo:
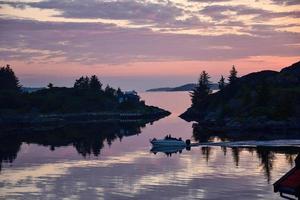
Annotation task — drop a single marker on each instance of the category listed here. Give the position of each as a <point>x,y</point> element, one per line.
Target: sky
<point>136,44</point>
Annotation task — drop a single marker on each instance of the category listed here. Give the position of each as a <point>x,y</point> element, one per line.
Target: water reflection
<point>88,138</point>
<point>9,148</point>
<point>64,164</point>
<point>168,151</point>
<point>266,155</point>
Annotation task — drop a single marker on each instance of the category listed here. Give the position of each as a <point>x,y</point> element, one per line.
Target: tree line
<point>86,95</point>
<point>202,90</point>
<point>9,81</point>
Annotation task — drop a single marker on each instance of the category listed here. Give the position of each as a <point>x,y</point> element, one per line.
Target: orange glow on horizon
<point>171,68</point>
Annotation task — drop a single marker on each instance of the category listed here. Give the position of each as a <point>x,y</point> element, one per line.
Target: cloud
<point>286,2</point>
<point>135,11</point>
<point>160,16</point>
<point>209,1</point>
<point>173,32</point>
<point>220,12</point>
<point>94,43</point>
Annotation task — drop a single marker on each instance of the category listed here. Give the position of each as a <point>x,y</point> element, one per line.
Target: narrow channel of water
<point>115,162</point>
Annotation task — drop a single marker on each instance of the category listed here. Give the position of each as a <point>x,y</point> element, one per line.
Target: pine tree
<point>82,83</point>
<point>110,91</point>
<point>78,82</point>
<point>202,90</point>
<point>221,83</point>
<point>95,83</point>
<point>119,92</point>
<point>233,75</point>
<point>8,79</point>
<point>86,82</point>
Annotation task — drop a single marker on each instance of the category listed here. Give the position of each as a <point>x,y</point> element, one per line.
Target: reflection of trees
<point>87,138</point>
<point>236,155</point>
<point>266,155</point>
<point>206,152</point>
<point>224,149</point>
<point>9,149</point>
<point>266,158</point>
<point>290,158</point>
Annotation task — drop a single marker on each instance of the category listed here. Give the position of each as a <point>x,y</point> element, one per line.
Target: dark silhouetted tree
<point>202,90</point>
<point>119,92</point>
<point>233,75</point>
<point>95,84</point>
<point>8,79</point>
<point>221,83</point>
<point>50,85</point>
<point>82,83</point>
<point>110,91</point>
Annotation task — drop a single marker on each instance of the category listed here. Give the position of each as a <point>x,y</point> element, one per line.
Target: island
<point>265,100</point>
<point>54,106</point>
<point>186,87</point>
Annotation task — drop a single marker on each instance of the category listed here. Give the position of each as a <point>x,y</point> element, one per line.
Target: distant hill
<point>186,87</point>
<point>31,89</point>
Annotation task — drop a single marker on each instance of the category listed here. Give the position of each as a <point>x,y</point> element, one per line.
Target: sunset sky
<point>144,44</point>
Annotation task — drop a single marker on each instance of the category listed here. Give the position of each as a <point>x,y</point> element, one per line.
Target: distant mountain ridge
<point>186,87</point>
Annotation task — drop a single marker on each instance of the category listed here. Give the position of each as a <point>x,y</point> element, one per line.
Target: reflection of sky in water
<point>127,169</point>
<point>142,175</point>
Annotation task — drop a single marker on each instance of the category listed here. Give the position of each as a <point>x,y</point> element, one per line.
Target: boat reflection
<point>169,150</point>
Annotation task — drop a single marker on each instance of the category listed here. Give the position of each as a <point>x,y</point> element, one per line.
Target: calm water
<point>115,162</point>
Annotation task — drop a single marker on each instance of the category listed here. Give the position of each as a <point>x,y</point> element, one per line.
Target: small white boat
<point>168,142</point>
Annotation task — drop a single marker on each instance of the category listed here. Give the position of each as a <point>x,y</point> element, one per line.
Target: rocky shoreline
<point>252,125</point>
<point>238,124</point>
